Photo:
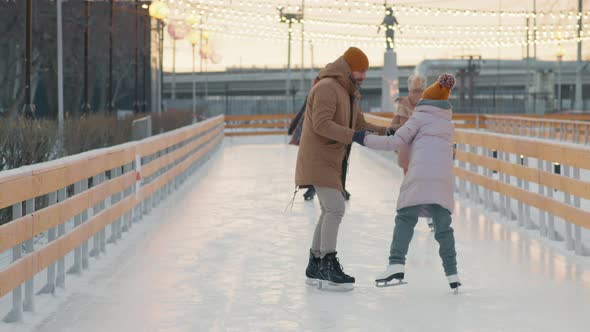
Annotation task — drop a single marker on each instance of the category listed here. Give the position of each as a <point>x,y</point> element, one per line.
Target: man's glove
<point>359,137</point>
<point>390,131</point>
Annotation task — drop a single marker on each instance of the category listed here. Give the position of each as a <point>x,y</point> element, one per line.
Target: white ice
<point>222,255</point>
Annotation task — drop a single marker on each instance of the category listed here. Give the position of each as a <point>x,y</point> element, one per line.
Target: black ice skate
<point>313,270</point>
<point>346,195</point>
<point>393,276</point>
<point>454,283</point>
<point>331,276</point>
<point>309,194</point>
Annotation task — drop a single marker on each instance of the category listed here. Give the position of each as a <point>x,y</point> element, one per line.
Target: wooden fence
<point>113,186</point>
<point>520,171</point>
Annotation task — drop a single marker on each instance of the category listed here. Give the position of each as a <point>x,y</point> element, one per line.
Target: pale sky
<point>237,28</point>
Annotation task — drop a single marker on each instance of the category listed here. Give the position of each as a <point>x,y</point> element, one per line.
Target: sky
<point>248,34</point>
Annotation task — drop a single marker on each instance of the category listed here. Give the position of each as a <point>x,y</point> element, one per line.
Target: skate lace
<point>338,267</point>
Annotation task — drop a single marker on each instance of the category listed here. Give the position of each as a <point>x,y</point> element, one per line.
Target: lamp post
<point>289,18</point>
<point>86,104</point>
<point>579,102</point>
<point>193,38</point>
<point>160,11</point>
<point>301,84</point>
<point>110,105</point>
<point>29,107</point>
<point>560,55</point>
<point>145,53</point>
<point>136,103</point>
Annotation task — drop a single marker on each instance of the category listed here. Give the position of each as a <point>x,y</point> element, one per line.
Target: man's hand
<point>359,137</point>
<point>391,131</point>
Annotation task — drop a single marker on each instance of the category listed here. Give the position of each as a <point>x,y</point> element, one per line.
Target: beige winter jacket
<point>328,128</point>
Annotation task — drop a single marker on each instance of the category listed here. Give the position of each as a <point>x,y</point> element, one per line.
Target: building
<point>483,86</point>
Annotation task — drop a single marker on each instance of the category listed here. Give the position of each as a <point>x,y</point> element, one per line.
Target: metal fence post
<point>501,204</point>
<point>51,234</point>
<point>60,281</point>
<point>16,314</point>
<point>77,267</point>
<point>104,205</point>
<point>114,199</point>
<point>507,180</point>
<point>96,181</point>
<point>519,184</point>
<point>541,191</point>
<point>579,247</point>
<point>527,208</point>
<point>85,216</point>
<point>550,218</point>
<point>569,240</point>
<point>29,303</point>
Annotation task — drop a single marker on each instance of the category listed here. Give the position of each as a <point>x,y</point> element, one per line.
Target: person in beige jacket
<point>332,116</point>
<point>405,107</point>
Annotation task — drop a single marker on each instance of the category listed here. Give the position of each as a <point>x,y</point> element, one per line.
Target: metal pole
<point>579,104</point>
<point>528,64</point>
<point>288,86</point>
<point>110,105</point>
<point>311,53</point>
<point>535,29</point>
<point>559,82</point>
<point>161,51</point>
<point>29,108</point>
<point>201,45</point>
<point>173,95</point>
<point>194,87</point>
<point>136,107</point>
<point>301,84</point>
<point>86,105</point>
<point>146,47</point>
<point>60,79</point>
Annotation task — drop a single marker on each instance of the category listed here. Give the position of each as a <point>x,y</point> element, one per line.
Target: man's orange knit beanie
<point>356,59</point>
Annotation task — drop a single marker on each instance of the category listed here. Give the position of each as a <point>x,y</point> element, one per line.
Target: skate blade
<point>311,282</point>
<point>456,291</point>
<point>391,283</point>
<point>334,287</point>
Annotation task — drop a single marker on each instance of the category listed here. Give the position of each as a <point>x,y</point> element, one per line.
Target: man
<point>331,118</point>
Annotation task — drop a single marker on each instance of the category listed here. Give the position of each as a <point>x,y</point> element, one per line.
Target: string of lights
<point>503,36</point>
<point>458,30</point>
<point>373,7</point>
<point>215,15</point>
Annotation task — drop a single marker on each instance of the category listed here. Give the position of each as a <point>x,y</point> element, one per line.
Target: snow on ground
<point>222,255</point>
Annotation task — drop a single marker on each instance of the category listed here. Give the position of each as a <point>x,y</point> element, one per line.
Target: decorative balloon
<point>178,30</point>
<point>215,58</point>
<point>207,50</point>
<point>193,37</point>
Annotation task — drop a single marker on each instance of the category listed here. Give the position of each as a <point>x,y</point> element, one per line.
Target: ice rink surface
<point>222,255</point>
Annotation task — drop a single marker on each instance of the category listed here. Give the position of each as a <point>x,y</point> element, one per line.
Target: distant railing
<point>550,128</point>
<point>555,128</point>
<point>459,120</point>
<point>253,125</point>
<point>114,186</point>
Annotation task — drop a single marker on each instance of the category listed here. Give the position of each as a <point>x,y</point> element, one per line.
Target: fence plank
<point>571,214</point>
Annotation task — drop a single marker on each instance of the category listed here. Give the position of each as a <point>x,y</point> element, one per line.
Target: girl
<point>427,188</point>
